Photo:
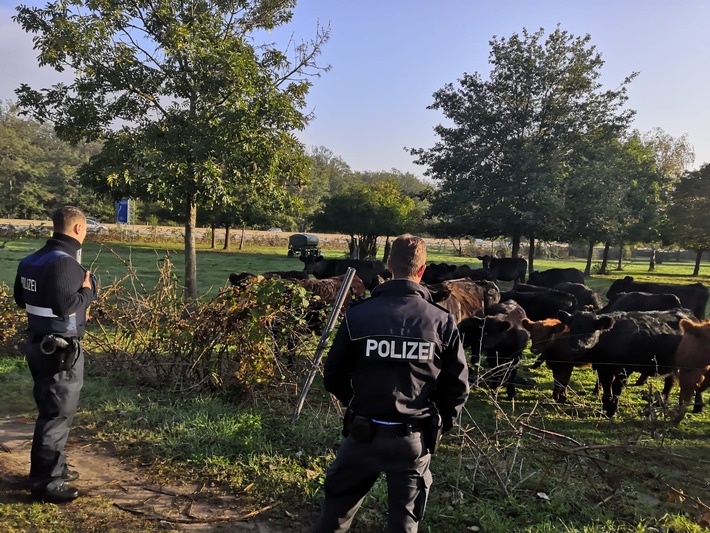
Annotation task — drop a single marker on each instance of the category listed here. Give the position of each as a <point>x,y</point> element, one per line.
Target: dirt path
<point>118,496</point>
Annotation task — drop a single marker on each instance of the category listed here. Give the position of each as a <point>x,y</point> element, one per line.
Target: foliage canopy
<point>191,108</point>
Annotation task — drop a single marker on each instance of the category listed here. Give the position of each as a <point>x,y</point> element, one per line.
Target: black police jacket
<point>48,286</point>
<point>396,352</point>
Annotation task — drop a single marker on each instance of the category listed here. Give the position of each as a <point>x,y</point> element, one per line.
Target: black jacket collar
<point>401,287</point>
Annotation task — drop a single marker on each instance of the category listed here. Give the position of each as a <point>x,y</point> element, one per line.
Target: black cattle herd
<point>652,329</point>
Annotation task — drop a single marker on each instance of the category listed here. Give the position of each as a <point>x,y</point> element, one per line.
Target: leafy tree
<point>505,156</point>
<point>204,110</point>
<point>672,156</point>
<point>367,212</point>
<point>38,172</point>
<point>328,175</point>
<point>688,224</point>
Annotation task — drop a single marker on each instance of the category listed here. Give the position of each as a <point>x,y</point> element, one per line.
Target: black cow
<point>501,338</point>
<point>694,296</point>
<point>553,276</point>
<point>641,301</point>
<point>587,298</point>
<point>505,268</point>
<point>438,272</point>
<point>619,343</point>
<point>464,298</point>
<point>367,270</point>
<point>540,305</point>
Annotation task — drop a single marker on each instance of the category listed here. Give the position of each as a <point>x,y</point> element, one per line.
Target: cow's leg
<point>510,386</point>
<point>698,406</point>
<point>641,380</point>
<point>561,376</point>
<point>668,383</point>
<point>611,388</point>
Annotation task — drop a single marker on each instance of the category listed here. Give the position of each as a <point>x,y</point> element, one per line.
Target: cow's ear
<point>527,323</point>
<point>564,316</point>
<point>319,258</point>
<point>501,325</point>
<point>688,326</point>
<point>628,279</point>
<point>557,328</point>
<point>605,322</point>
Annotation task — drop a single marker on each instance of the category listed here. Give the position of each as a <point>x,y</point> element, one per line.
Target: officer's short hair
<point>64,217</point>
<point>407,256</point>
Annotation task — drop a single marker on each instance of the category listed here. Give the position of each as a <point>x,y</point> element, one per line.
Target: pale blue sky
<point>389,56</point>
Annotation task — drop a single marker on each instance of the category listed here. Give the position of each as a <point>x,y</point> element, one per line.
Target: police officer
<point>395,362</point>
<point>56,291</point>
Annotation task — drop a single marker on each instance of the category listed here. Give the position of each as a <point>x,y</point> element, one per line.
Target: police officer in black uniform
<point>397,363</point>
<point>55,290</point>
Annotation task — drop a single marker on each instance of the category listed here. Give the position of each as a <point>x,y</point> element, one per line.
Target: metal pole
<point>322,343</point>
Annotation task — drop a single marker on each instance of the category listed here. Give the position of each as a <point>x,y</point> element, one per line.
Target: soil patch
<point>119,495</point>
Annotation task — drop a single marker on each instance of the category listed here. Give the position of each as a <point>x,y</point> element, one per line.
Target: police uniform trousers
<point>57,396</point>
<point>405,462</point>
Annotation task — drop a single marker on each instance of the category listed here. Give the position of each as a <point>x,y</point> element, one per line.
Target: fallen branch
<point>153,516</point>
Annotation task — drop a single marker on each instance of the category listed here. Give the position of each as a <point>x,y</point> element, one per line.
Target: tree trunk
<point>605,258</point>
<point>227,237</point>
<point>698,257</point>
<point>621,254</point>
<point>368,247</point>
<point>652,260</point>
<point>458,249</point>
<point>590,257</point>
<point>386,253</point>
<point>213,228</point>
<point>531,256</point>
<point>190,250</point>
<point>516,241</point>
<point>241,240</point>
<point>354,247</point>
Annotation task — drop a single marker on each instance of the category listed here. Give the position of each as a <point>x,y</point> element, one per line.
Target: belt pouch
<point>362,429</point>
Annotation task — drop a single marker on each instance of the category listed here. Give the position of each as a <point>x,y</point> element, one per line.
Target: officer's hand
<point>87,281</point>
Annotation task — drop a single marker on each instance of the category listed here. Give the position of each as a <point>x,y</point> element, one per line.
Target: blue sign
<point>122,211</point>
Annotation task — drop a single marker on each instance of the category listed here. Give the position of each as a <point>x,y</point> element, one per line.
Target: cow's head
<point>585,330</point>
<point>486,259</point>
<point>439,292</point>
<point>542,334</point>
<point>310,261</point>
<point>620,285</point>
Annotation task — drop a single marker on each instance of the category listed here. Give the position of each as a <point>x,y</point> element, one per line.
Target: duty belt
<point>395,429</point>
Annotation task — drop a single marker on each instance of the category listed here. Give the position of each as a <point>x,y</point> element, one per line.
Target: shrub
<point>249,336</point>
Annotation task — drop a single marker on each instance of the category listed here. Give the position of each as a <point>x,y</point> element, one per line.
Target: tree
<point>328,175</point>
<point>688,224</point>
<point>205,110</point>
<point>367,212</point>
<point>38,172</point>
<point>503,160</point>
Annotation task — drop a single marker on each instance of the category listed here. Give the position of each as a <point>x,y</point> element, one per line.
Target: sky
<point>388,57</point>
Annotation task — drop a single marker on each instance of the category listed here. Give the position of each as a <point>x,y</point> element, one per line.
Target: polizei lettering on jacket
<point>28,284</point>
<point>421,351</point>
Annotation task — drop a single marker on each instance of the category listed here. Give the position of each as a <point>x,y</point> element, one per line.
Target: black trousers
<point>405,463</point>
<point>57,396</point>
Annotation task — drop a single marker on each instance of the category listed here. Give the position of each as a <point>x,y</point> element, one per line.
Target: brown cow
<point>692,362</point>
<point>327,288</point>
<point>548,342</point>
<point>464,298</point>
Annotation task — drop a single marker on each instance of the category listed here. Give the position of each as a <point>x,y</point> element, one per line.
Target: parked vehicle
<point>94,225</point>
<point>303,244</point>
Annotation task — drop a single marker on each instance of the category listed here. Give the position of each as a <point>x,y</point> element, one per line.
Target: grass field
<point>529,465</point>
<point>110,261</point>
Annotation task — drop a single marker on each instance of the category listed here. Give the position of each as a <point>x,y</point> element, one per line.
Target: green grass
<point>530,465</point>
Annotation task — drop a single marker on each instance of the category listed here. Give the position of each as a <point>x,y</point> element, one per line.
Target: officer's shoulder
<point>359,301</point>
<point>434,304</point>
